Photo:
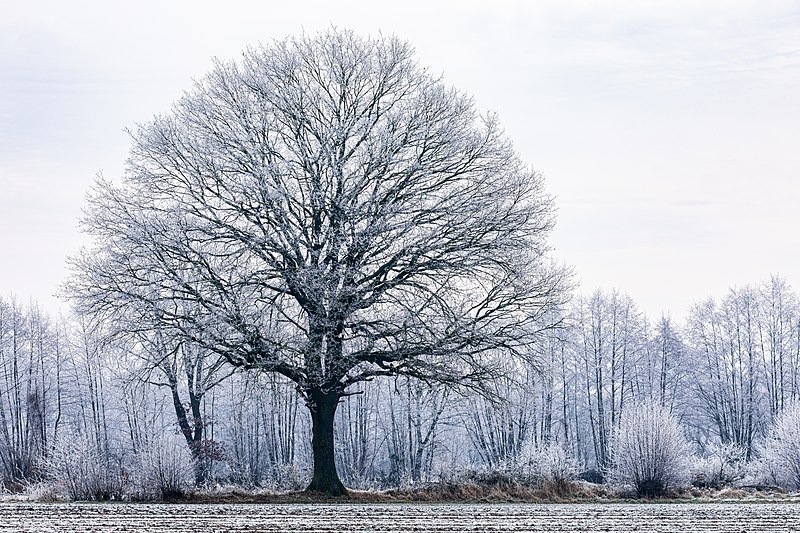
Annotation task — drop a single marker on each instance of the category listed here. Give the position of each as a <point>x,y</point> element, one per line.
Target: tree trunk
<point>200,463</point>
<point>325,479</point>
<point>192,432</point>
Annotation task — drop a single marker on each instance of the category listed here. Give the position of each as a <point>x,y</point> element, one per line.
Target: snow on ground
<point>39,517</point>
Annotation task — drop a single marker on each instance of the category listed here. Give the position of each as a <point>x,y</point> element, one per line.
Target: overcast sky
<point>668,131</point>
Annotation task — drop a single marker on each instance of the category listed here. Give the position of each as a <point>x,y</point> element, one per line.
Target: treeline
<point>100,418</point>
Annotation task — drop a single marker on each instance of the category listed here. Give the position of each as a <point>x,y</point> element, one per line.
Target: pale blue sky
<point>669,131</point>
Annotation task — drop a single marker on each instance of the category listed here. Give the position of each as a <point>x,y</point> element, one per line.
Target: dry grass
<point>492,489</point>
<point>499,492</point>
<point>470,492</point>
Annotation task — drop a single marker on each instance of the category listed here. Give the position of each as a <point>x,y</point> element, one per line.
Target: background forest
<point>100,419</point>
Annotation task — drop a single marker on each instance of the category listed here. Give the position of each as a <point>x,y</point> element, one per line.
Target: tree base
<point>334,489</point>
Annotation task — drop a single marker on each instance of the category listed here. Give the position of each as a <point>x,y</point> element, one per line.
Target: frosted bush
<point>724,465</point>
<point>552,464</point>
<point>760,472</point>
<point>548,464</point>
<point>164,470</point>
<point>357,481</point>
<point>780,452</point>
<point>288,477</point>
<point>545,464</point>
<point>649,451</point>
<point>79,468</point>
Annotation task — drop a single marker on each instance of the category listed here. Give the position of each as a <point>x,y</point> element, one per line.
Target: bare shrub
<point>649,451</point>
<point>163,471</point>
<point>780,453</point>
<point>548,467</point>
<point>722,466</point>
<point>288,478</point>
<point>83,471</point>
<point>760,473</point>
<point>552,465</point>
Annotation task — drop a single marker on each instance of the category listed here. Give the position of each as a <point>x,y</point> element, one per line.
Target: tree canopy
<point>326,209</point>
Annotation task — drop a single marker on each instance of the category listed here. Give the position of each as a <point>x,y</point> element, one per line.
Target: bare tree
<point>661,372</point>
<point>188,372</point>
<point>778,342</point>
<point>24,340</point>
<point>610,340</point>
<point>726,358</point>
<point>498,432</point>
<point>262,430</point>
<point>416,415</point>
<point>358,422</point>
<point>335,213</point>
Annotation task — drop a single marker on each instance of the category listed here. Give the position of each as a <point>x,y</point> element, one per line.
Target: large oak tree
<point>326,209</point>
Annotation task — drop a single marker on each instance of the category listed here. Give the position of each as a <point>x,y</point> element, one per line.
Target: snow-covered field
<point>399,517</point>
